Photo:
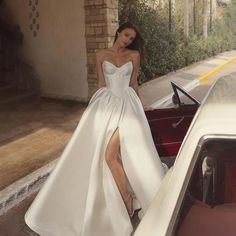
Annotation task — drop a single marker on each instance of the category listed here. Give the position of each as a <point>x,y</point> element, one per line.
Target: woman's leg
<point>115,165</point>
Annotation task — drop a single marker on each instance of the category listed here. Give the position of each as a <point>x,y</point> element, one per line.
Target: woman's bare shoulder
<point>135,55</point>
<point>102,52</point>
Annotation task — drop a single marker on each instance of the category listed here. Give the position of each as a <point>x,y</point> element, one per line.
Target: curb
<point>188,87</point>
<point>22,188</point>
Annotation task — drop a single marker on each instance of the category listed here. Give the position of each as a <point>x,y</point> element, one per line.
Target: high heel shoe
<point>129,205</point>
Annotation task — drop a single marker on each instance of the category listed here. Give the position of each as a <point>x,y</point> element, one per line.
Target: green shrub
<point>168,51</point>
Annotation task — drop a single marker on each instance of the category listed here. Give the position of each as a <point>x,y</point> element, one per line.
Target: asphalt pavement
<point>158,92</point>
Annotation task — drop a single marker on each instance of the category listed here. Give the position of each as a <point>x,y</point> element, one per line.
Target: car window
<point>183,98</point>
<point>209,203</point>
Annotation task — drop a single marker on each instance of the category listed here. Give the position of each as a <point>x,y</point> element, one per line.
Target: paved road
<point>12,223</point>
<point>157,92</point>
<point>201,90</point>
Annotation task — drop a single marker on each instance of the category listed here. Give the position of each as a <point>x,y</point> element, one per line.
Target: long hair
<point>138,41</point>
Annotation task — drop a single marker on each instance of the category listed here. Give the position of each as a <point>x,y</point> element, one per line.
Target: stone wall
<point>101,21</point>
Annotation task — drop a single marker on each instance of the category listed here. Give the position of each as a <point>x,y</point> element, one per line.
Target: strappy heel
<point>129,205</point>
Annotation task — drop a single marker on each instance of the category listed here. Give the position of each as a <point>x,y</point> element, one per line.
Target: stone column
<point>101,21</point>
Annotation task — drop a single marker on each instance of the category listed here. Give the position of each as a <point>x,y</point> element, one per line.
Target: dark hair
<point>138,41</point>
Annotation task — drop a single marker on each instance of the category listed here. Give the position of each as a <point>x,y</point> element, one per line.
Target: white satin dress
<point>81,198</point>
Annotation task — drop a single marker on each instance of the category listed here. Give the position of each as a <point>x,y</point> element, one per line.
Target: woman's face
<point>126,37</point>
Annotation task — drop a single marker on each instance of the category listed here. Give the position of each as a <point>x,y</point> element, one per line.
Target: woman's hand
<point>146,107</point>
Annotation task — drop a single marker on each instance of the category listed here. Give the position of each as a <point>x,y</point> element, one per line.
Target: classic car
<point>198,194</point>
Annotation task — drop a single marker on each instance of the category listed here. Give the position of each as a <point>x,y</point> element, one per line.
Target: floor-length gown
<point>81,198</point>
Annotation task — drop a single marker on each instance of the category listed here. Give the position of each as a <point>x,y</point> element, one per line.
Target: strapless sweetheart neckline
<point>118,67</point>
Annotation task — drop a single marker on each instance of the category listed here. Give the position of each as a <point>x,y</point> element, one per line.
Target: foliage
<point>168,51</point>
<point>225,27</point>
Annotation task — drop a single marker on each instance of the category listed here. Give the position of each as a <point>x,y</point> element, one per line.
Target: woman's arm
<point>101,80</point>
<point>134,76</point>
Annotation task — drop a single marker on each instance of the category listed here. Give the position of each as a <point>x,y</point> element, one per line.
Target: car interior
<point>209,205</point>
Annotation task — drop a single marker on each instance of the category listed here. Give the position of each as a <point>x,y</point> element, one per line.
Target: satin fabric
<point>80,197</point>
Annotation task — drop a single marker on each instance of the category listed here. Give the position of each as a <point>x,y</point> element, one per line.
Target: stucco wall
<point>58,51</point>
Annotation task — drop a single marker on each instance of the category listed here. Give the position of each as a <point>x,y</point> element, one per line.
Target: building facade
<point>60,39</point>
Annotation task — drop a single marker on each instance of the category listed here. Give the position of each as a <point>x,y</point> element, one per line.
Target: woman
<point>110,167</point>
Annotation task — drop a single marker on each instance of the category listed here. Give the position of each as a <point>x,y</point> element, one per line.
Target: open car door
<point>169,125</point>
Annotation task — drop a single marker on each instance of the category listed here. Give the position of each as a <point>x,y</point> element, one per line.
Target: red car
<point>169,125</point>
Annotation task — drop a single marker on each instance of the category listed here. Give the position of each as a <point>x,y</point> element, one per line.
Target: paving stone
<point>34,134</point>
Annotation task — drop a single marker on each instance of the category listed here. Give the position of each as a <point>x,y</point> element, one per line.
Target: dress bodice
<point>117,78</point>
